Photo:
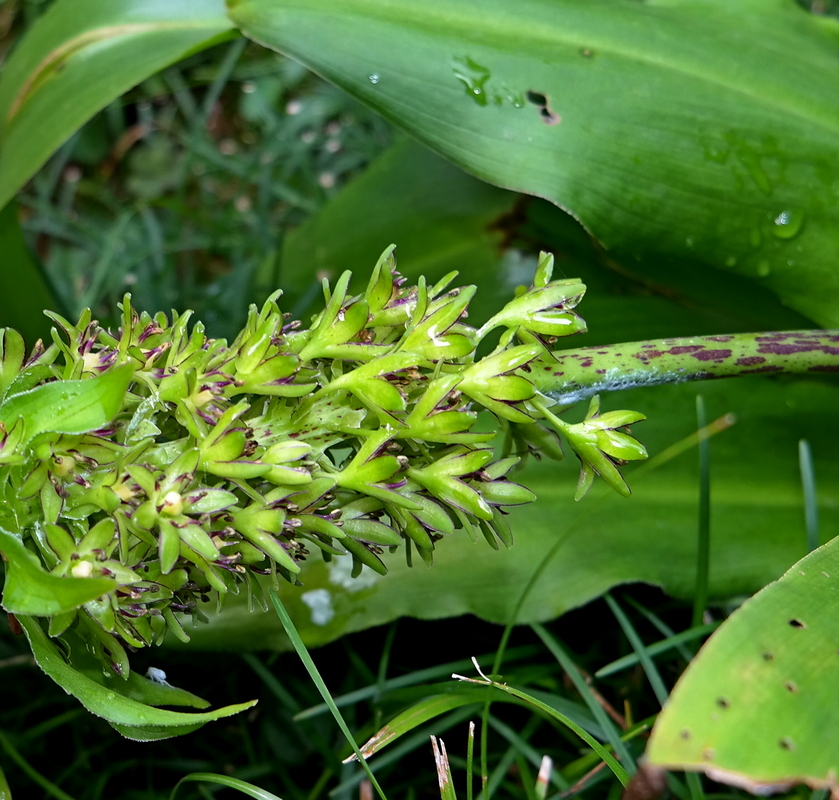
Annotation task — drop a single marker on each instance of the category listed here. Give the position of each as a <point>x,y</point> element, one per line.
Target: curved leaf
<point>769,676</point>
<point>131,718</point>
<point>30,589</point>
<point>698,130</point>
<point>80,55</point>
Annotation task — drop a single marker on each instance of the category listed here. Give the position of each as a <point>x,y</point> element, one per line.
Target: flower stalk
<point>570,376</point>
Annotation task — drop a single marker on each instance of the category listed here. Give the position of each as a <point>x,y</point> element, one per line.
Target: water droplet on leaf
<point>373,78</point>
<point>788,224</point>
<point>763,269</point>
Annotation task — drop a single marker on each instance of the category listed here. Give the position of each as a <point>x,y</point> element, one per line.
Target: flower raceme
<point>156,465</point>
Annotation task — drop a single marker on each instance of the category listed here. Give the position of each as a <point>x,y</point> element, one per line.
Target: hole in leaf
<point>722,702</point>
<point>548,117</point>
<point>791,686</point>
<point>797,623</point>
<point>541,100</point>
<point>787,744</point>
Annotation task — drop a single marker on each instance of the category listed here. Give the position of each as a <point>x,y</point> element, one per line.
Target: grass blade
<point>640,649</point>
<point>658,648</point>
<point>597,710</point>
<point>808,484</point>
<point>703,546</point>
<point>297,642</point>
<point>45,783</point>
<point>444,772</point>
<point>225,780</point>
<point>620,773</point>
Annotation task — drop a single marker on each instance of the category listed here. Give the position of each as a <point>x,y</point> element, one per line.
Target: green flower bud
<point>490,382</point>
<point>363,555</point>
<point>442,479</point>
<point>599,446</point>
<point>432,334</point>
<point>545,308</point>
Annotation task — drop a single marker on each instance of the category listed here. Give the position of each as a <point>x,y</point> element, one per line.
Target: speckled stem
<point>578,374</point>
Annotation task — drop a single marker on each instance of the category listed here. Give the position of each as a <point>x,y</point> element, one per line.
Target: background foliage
<point>705,172</point>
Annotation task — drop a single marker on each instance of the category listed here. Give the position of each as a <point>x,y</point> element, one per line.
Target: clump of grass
<point>182,190</point>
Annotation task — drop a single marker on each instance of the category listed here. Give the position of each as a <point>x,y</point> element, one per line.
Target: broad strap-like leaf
<point>699,131</point>
<point>81,55</point>
<point>755,705</point>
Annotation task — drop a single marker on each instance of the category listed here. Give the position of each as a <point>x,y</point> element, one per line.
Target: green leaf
<point>30,589</point>
<point>81,55</point>
<point>702,131</point>
<point>768,677</point>
<point>23,286</point>
<point>69,406</point>
<point>133,719</point>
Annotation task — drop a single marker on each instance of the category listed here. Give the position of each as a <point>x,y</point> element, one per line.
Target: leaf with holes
<point>698,131</point>
<point>755,706</point>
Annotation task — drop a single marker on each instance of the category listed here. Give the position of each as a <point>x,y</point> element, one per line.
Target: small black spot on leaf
<point>767,656</point>
<point>723,702</point>
<point>791,686</point>
<point>685,734</point>
<point>787,744</point>
<point>797,623</point>
<point>536,98</point>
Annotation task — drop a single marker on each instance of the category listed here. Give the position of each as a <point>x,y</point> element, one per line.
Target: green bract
<point>145,469</point>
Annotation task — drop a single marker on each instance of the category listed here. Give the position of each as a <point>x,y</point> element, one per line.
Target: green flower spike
<point>146,469</point>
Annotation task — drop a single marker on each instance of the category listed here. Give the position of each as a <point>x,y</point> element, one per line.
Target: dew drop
<point>373,77</point>
<point>788,224</point>
<point>763,269</point>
